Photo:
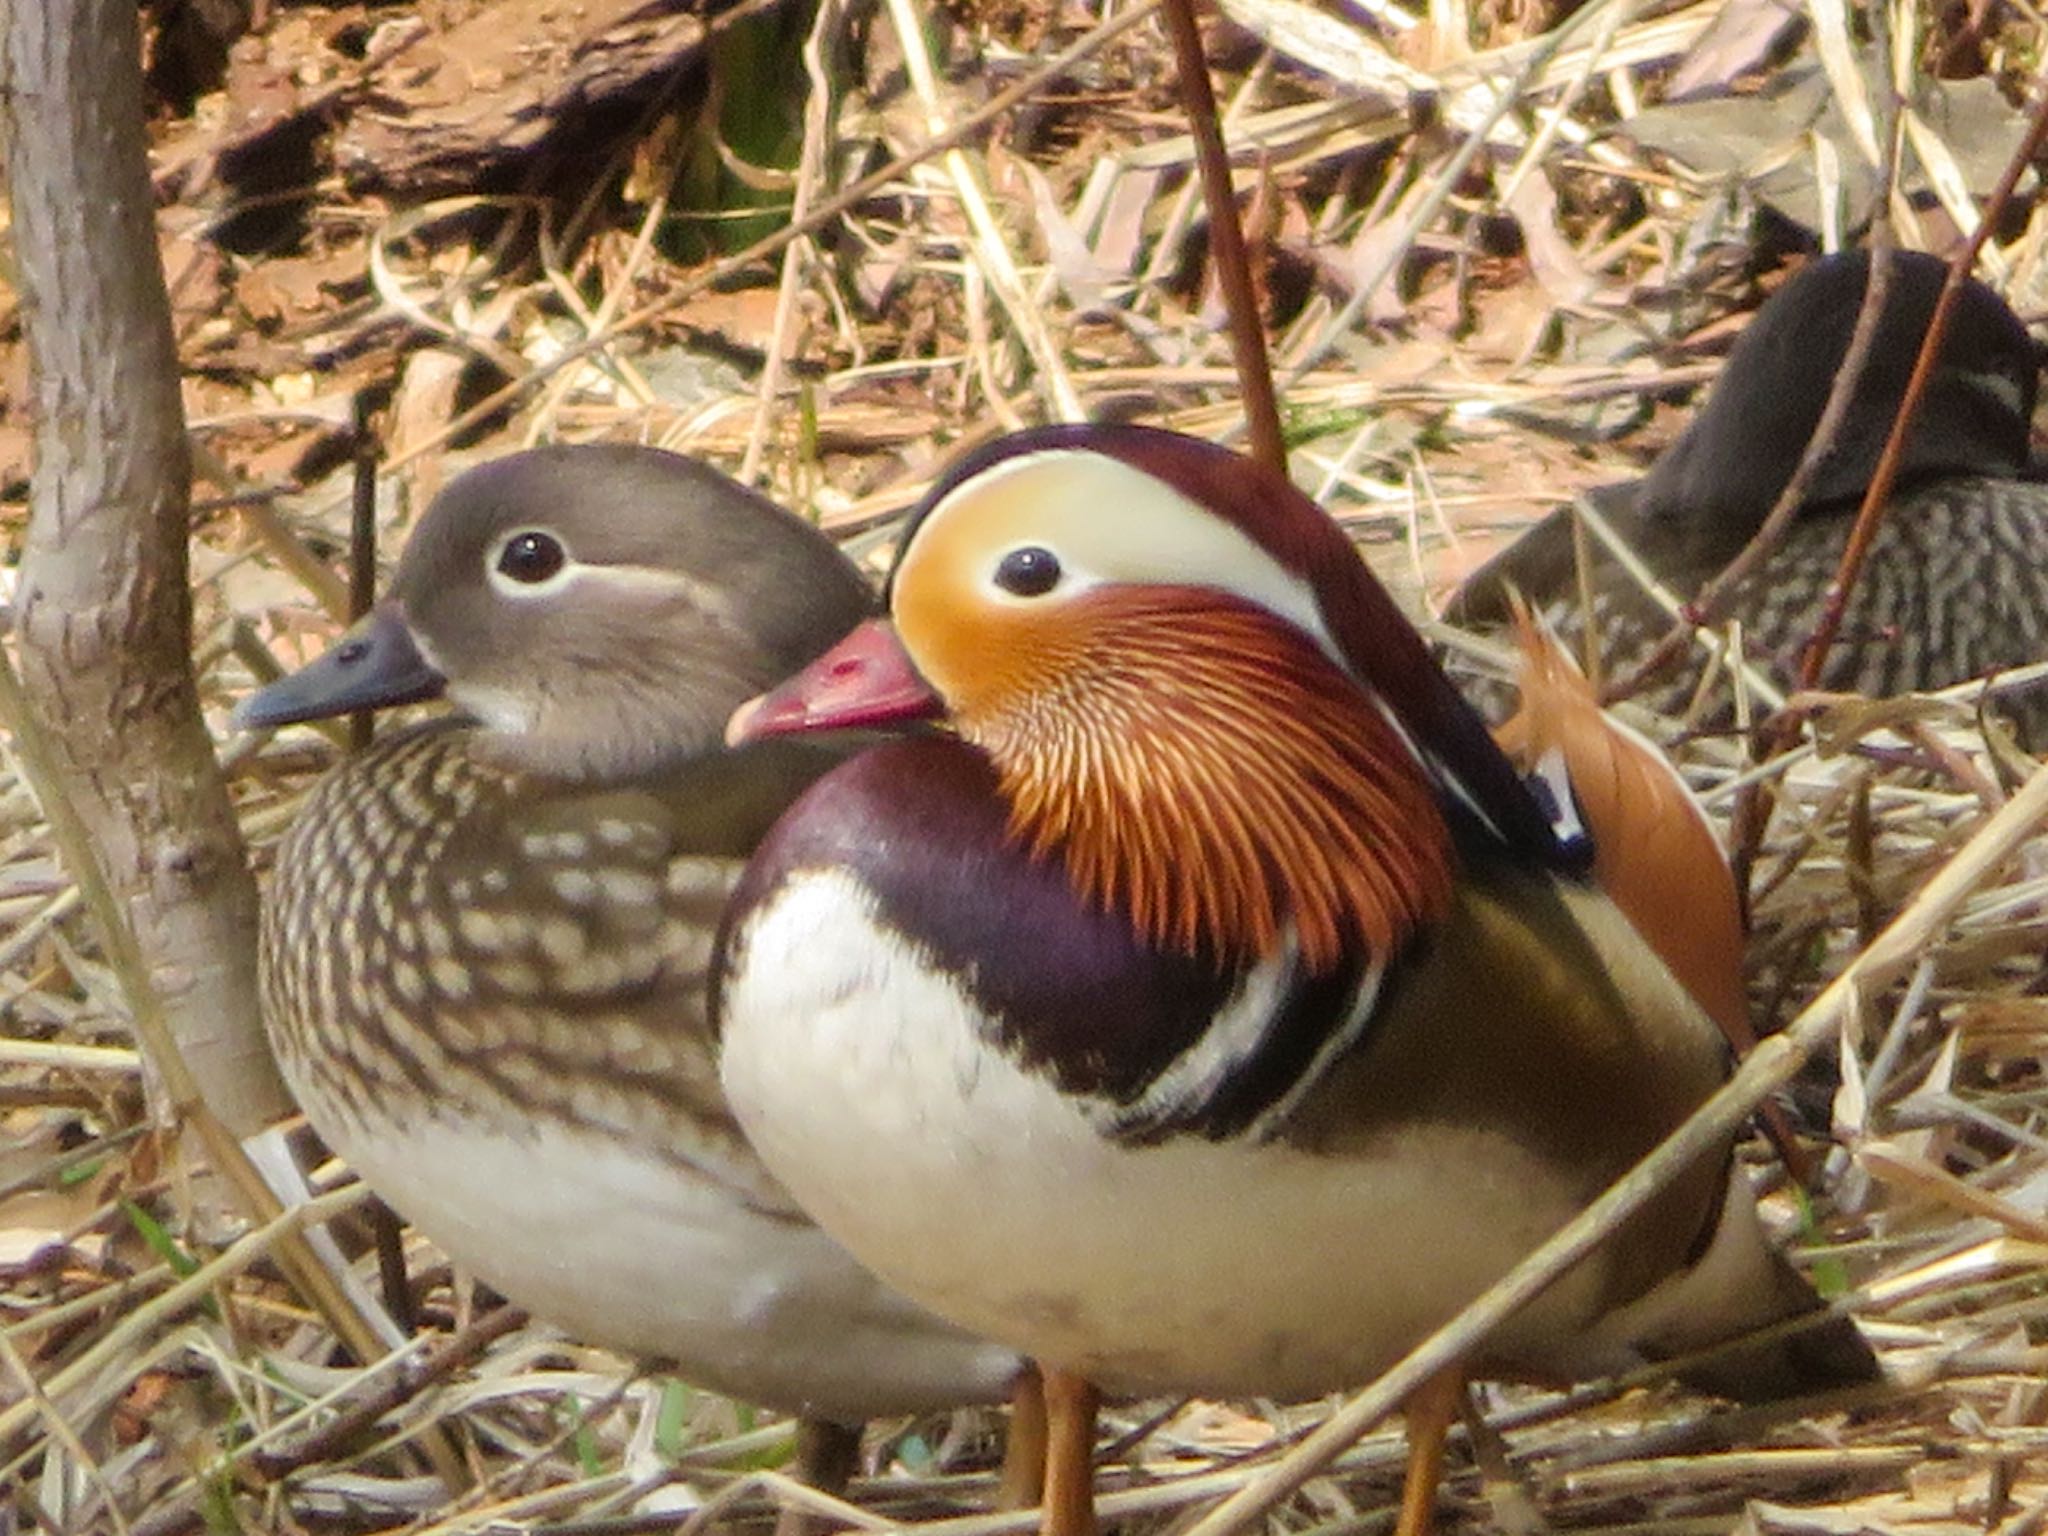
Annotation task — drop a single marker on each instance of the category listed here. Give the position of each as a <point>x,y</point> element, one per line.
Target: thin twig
<point>1879,493</point>
<point>796,257</point>
<point>362,544</point>
<point>334,1437</point>
<point>1226,241</point>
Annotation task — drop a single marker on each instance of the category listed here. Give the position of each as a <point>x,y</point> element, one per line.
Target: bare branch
<point>105,616</point>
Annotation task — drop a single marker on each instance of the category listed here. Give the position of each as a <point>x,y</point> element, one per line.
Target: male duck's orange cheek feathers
<point>1221,783</point>
<point>993,662</point>
<point>866,679</point>
<point>1195,765</point>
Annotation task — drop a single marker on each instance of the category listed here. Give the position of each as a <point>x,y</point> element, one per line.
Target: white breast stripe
<point>1243,1027</point>
<point>1191,1081</point>
<point>1341,1040</point>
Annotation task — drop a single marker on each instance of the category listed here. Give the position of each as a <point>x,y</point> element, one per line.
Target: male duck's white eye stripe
<point>1110,522</point>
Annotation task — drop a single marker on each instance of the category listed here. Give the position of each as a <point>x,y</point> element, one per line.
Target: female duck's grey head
<point>599,610</point>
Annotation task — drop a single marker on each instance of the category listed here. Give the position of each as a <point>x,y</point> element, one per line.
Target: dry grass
<point>154,1373</point>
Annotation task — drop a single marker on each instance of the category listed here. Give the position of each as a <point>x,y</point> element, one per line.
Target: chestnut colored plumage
<point>1212,778</point>
<point>1955,584</point>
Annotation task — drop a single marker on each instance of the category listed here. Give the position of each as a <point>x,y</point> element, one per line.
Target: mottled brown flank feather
<point>445,937</point>
<point>1654,854</point>
<point>1205,769</point>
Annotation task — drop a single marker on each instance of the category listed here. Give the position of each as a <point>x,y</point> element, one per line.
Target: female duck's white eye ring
<point>1031,571</point>
<point>531,557</point>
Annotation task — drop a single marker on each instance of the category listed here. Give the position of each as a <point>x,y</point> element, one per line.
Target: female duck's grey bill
<point>374,666</point>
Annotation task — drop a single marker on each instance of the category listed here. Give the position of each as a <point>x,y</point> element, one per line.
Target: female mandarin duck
<point>485,940</point>
<point>1215,1011</point>
<point>1954,586</point>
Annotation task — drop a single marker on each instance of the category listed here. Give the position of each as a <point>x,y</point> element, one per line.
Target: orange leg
<point>1070,1404</point>
<point>1430,1409</point>
<point>1023,1484</point>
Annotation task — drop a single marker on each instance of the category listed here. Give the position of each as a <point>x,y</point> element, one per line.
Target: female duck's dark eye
<point>1029,572</point>
<point>532,556</point>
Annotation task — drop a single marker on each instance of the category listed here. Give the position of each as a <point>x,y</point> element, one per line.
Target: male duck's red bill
<point>867,679</point>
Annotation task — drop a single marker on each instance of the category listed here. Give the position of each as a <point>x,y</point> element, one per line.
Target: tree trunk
<point>104,617</point>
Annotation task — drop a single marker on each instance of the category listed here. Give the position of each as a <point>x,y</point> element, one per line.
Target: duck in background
<point>485,939</point>
<point>1216,1011</point>
<point>1956,585</point>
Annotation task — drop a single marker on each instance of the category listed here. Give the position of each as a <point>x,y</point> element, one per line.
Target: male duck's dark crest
<point>1193,693</point>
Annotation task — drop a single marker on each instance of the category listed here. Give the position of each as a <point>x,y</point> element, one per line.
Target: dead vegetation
<point>1497,247</point>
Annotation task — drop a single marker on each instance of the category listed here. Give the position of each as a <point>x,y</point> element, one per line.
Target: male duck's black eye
<point>1029,572</point>
<point>532,556</point>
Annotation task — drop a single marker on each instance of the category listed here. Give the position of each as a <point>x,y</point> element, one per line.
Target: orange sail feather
<point>1656,855</point>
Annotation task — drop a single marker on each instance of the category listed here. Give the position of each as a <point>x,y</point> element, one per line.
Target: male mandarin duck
<point>485,940</point>
<point>1215,1010</point>
<point>1954,586</point>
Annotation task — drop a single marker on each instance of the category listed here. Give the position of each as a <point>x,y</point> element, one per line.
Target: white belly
<point>637,1254</point>
<point>1192,1266</point>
